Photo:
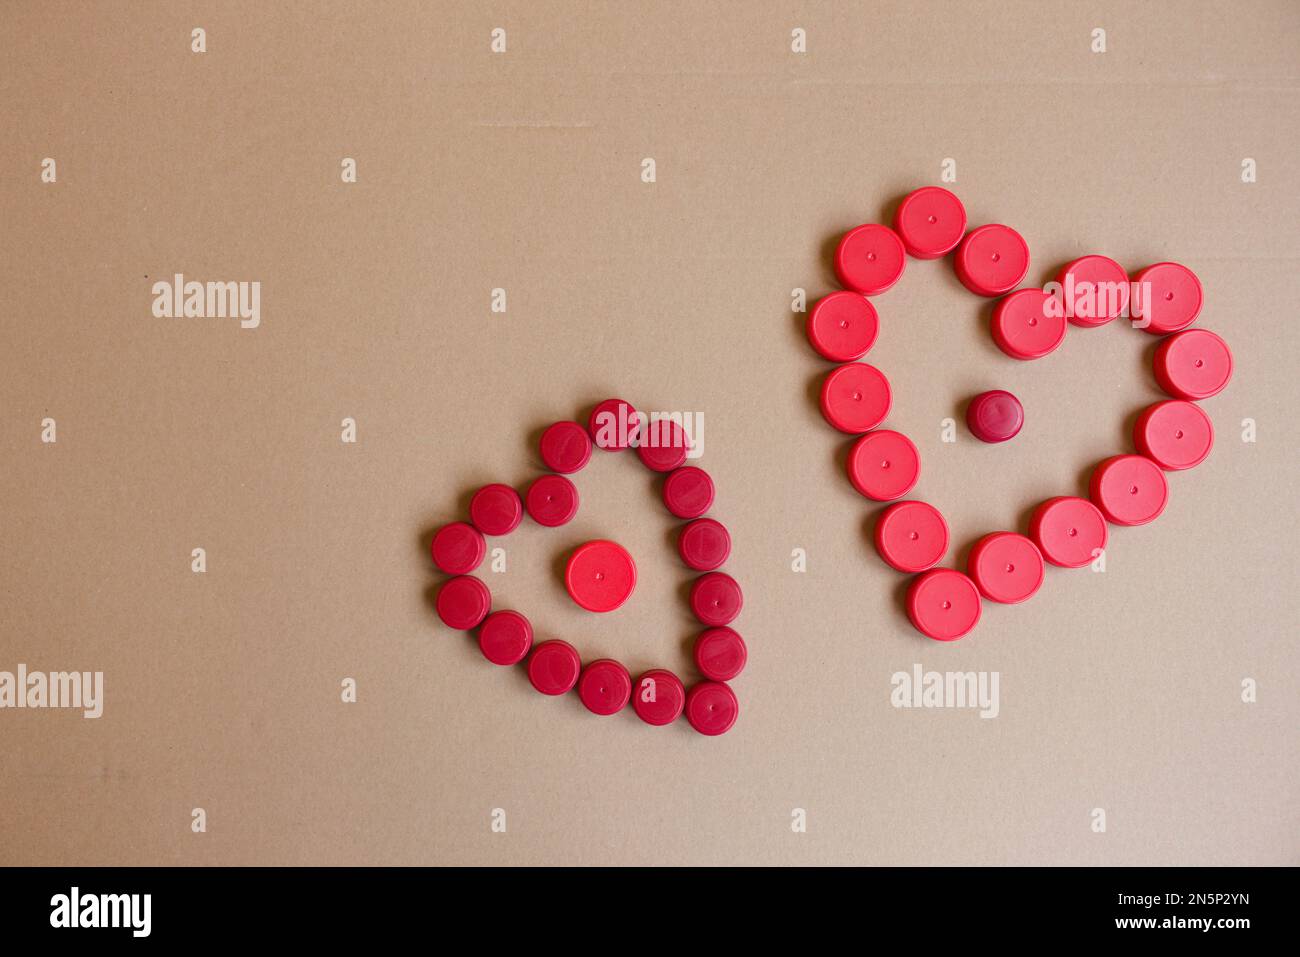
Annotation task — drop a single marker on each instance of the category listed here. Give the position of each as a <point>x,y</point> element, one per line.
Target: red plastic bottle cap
<point>496,509</point>
<point>992,260</point>
<point>943,604</point>
<point>1129,489</point>
<point>1006,567</point>
<point>1068,531</point>
<point>458,548</point>
<point>613,425</point>
<point>1094,289</point>
<point>855,397</point>
<point>688,492</point>
<point>605,687</point>
<point>463,602</point>
<point>663,445</point>
<point>995,416</point>
<point>843,326</point>
<point>505,638</point>
<point>930,221</point>
<point>566,447</point>
<point>911,536</point>
<point>704,544</point>
<point>1195,364</point>
<point>1171,301</point>
<point>658,697</point>
<point>600,575</point>
<point>884,465</point>
<point>720,654</point>
<point>553,668</point>
<point>1174,434</point>
<point>551,500</point>
<point>712,708</point>
<point>716,599</point>
<point>870,259</point>
<point>1028,324</point>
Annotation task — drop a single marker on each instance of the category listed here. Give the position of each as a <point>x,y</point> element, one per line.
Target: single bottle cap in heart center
<point>600,575</point>
<point>995,416</point>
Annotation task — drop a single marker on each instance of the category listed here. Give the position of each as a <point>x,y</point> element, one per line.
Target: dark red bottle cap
<point>496,509</point>
<point>911,536</point>
<point>711,708</point>
<point>600,575</point>
<point>1068,531</point>
<point>1094,290</point>
<point>1171,298</point>
<point>1006,567</point>
<point>1129,489</point>
<point>458,548</point>
<point>720,654</point>
<point>884,465</point>
<point>566,447</point>
<point>930,221</point>
<point>704,544</point>
<point>995,416</point>
<point>992,260</point>
<point>605,687</point>
<point>870,259</point>
<point>1028,324</point>
<point>551,500</point>
<point>463,602</point>
<point>716,599</point>
<point>613,425</point>
<point>842,327</point>
<point>554,666</point>
<point>943,604</point>
<point>1174,434</point>
<point>658,697</point>
<point>505,637</point>
<point>663,445</point>
<point>688,492</point>
<point>855,397</point>
<point>1195,364</point>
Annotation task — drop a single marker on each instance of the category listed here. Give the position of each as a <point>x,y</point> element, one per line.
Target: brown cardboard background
<point>521,170</point>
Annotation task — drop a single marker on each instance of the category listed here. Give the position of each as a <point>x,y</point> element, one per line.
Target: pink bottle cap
<point>855,397</point>
<point>1006,567</point>
<point>992,260</point>
<point>605,687</point>
<point>658,697</point>
<point>720,654</point>
<point>463,602</point>
<point>688,492</point>
<point>943,604</point>
<point>458,548</point>
<point>1129,489</point>
<point>554,666</point>
<point>884,465</point>
<point>842,327</point>
<point>870,259</point>
<point>1068,531</point>
<point>711,708</point>
<point>1174,434</point>
<point>911,536</point>
<point>931,222</point>
<point>600,575</point>
<point>704,544</point>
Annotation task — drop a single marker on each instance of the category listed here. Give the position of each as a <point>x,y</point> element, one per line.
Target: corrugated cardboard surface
<point>1120,691</point>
